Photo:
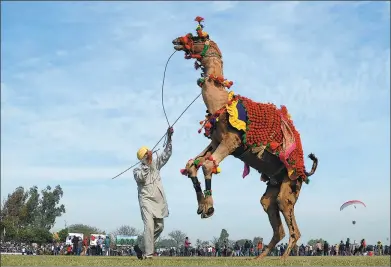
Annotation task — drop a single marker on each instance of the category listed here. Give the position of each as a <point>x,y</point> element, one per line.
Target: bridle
<point>188,42</point>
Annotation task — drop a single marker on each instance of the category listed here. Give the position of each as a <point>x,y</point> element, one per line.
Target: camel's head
<point>190,44</point>
<point>195,46</point>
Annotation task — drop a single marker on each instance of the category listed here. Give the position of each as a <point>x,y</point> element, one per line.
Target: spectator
<point>187,245</point>
<point>326,248</point>
<point>75,242</point>
<point>247,248</point>
<point>259,247</point>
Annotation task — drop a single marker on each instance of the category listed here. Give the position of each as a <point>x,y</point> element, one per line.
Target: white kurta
<point>151,196</point>
<point>152,200</point>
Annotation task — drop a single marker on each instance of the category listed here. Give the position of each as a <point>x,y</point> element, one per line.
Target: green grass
<point>16,260</point>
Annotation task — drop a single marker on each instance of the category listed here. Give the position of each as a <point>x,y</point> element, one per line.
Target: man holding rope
<point>151,197</point>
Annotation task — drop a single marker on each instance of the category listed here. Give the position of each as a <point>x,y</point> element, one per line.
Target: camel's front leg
<point>227,146</point>
<point>191,171</point>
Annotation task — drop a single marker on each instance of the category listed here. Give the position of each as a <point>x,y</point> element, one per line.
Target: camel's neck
<point>215,96</point>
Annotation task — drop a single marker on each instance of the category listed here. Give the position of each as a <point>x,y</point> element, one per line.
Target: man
<point>107,245</point>
<point>187,246</point>
<point>151,197</point>
<point>75,242</point>
<point>99,246</point>
<point>85,245</point>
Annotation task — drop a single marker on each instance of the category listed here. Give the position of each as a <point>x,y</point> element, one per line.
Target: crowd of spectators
<point>82,248</point>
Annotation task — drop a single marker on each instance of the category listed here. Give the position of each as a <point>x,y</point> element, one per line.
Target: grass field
<point>15,260</point>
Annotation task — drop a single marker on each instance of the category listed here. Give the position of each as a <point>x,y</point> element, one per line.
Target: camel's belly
<point>269,164</point>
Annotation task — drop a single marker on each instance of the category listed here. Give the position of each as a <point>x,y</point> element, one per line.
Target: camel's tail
<point>314,165</point>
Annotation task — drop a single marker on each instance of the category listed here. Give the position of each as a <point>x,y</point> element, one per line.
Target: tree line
<point>29,215</point>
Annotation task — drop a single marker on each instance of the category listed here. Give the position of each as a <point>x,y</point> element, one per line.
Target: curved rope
<point>164,77</point>
<point>165,114</point>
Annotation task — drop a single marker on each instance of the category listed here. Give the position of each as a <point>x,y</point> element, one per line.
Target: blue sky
<point>80,92</point>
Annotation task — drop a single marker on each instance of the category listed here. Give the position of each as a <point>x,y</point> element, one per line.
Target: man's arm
<point>167,152</point>
<point>163,158</point>
<point>140,174</point>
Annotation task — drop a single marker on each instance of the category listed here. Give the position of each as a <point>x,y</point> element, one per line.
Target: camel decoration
<point>261,135</point>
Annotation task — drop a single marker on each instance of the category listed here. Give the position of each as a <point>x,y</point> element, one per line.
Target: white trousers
<point>153,227</point>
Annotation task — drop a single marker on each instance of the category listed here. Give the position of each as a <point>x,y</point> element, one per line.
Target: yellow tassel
<point>218,170</point>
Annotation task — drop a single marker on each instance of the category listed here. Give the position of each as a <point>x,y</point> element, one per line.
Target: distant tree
<point>126,230</point>
<point>256,239</point>
<point>215,240</point>
<point>27,215</point>
<point>241,241</point>
<point>205,243</point>
<point>178,236</point>
<point>312,242</point>
<point>198,242</point>
<point>223,236</point>
<point>63,234</point>
<point>85,229</point>
<point>166,243</point>
<point>48,209</point>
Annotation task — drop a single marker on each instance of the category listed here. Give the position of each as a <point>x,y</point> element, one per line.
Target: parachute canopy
<point>351,202</point>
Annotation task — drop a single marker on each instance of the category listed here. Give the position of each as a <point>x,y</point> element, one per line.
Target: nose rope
<point>183,112</point>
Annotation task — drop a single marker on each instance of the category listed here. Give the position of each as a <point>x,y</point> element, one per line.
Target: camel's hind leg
<point>270,205</point>
<point>289,193</point>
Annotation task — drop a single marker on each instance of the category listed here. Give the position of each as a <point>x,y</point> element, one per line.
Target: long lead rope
<point>183,112</point>
<point>164,78</point>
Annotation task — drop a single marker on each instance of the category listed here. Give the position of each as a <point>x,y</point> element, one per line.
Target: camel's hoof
<point>283,257</point>
<point>208,214</point>
<point>199,211</point>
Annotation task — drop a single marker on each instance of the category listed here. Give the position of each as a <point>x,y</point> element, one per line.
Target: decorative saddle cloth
<point>264,126</point>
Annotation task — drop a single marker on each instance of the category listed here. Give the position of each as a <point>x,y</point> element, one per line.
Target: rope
<point>188,106</point>
<point>165,114</point>
<point>164,77</point>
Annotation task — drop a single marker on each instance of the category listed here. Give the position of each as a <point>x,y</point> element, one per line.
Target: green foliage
<point>178,236</point>
<point>223,236</point>
<point>241,241</point>
<point>126,230</point>
<point>257,239</point>
<point>28,216</point>
<point>313,242</point>
<point>63,234</point>
<point>166,243</point>
<point>84,229</point>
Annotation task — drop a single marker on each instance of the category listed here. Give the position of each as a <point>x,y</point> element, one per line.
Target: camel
<point>260,135</point>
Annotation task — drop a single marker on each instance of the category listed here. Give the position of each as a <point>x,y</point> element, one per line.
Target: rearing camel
<point>260,135</point>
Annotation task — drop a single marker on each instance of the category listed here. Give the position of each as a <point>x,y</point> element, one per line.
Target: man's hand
<point>170,132</point>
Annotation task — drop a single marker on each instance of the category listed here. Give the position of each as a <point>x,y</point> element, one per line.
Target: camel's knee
<point>284,203</point>
<point>266,202</point>
<point>296,235</point>
<point>191,168</point>
<point>207,168</point>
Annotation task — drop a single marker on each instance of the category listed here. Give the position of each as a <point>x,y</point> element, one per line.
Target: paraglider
<point>351,202</point>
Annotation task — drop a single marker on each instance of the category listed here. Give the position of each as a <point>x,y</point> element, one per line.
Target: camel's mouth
<point>178,47</point>
<point>178,44</point>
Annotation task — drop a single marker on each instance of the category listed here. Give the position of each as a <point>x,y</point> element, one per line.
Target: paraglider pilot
<point>151,197</point>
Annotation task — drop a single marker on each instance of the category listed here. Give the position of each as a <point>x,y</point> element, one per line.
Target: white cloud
<point>76,113</point>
